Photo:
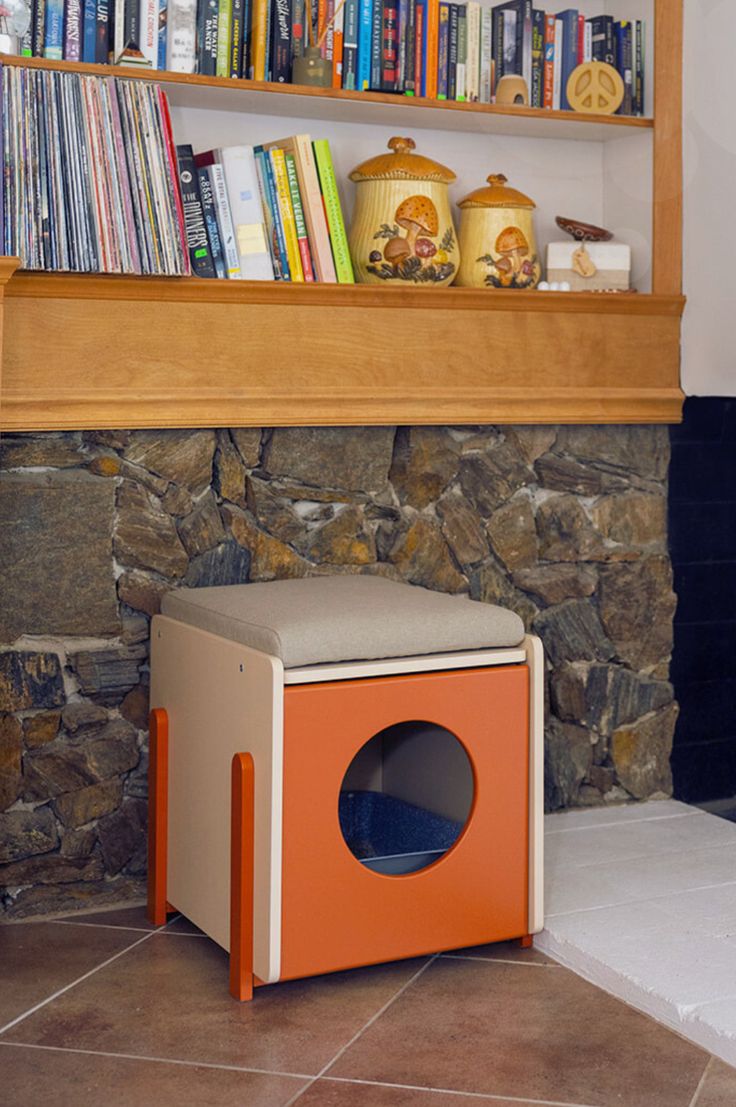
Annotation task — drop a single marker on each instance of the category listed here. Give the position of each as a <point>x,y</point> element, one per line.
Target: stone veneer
<point>566,525</point>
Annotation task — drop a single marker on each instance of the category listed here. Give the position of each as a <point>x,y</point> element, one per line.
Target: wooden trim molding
<point>667,177</point>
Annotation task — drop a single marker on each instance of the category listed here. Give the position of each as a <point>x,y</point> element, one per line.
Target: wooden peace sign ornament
<point>595,87</point>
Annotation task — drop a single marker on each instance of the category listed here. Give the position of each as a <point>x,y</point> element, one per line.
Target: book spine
<point>624,58</point>
<point>461,78</point>
<point>245,62</point>
<point>271,216</point>
<point>314,209</point>
<point>53,45</point>
<point>350,45</point>
<point>473,56</point>
<point>410,81</point>
<point>338,238</point>
<point>376,44</point>
<point>301,229</point>
<point>432,50</point>
<point>247,212</point>
<point>365,26</point>
<point>497,38</point>
<point>89,31</point>
<point>236,38</point>
<point>268,38</point>
<point>557,70</point>
<point>224,15</point>
<point>603,48</point>
<point>569,53</point>
<point>581,39</point>
<point>286,211</point>
<point>639,68</point>
<point>486,54</point>
<point>181,37</point>
<point>224,221</point>
<point>549,61</point>
<point>297,28</point>
<point>207,37</point>
<point>73,30</point>
<point>163,27</point>
<point>149,31</point>
<point>443,52</point>
<point>102,32</point>
<point>390,46</point>
<point>210,222</point>
<point>525,27</point>
<point>280,41</point>
<point>420,49</point>
<point>199,251</point>
<point>258,40</point>
<point>587,41</point>
<point>39,27</point>
<point>452,54</point>
<point>401,29</point>
<point>536,92</point>
<point>338,45</point>
<point>132,23</point>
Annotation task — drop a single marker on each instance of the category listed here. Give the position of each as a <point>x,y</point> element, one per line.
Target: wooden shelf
<point>106,352</point>
<point>342,105</point>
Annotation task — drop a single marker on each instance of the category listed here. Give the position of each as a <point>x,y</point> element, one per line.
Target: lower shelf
<point>105,352</point>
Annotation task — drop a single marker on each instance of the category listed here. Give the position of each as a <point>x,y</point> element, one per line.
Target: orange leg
<point>526,941</point>
<point>158,790</point>
<point>241,877</point>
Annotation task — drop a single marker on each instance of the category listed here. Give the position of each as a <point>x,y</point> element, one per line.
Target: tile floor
<point>105,1011</point>
<point>641,900</point>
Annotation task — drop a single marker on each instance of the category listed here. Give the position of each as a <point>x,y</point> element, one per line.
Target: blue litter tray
<point>390,836</point>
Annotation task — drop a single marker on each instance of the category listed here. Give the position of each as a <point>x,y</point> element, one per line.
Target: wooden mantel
<point>105,352</point>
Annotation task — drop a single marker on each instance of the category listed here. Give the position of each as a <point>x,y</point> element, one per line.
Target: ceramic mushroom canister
<point>402,227</point>
<point>497,244</point>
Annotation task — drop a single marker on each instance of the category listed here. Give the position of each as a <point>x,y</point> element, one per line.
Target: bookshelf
<point>131,351</point>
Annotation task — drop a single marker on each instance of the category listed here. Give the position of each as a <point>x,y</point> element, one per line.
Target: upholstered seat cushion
<point>319,620</point>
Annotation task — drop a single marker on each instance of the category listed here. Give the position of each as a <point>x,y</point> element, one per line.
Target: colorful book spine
<point>207,32</point>
<point>39,27</point>
<point>461,93</point>
<point>73,30</point>
<point>148,22</point>
<point>549,61</point>
<point>402,7</point>
<point>536,94</point>
<point>247,212</point>
<point>569,55</point>
<point>420,53</point>
<point>102,32</point>
<point>314,209</point>
<point>271,216</point>
<point>432,49</point>
<point>53,45</point>
<point>301,228</point>
<point>298,10</point>
<point>639,57</point>
<point>376,44</point>
<point>365,26</point>
<point>410,49</point>
<point>581,38</point>
<point>236,38</point>
<point>224,221</point>
<point>286,211</point>
<point>452,54</point>
<point>210,221</point>
<point>338,238</point>
<point>280,41</point>
<point>246,39</point>
<point>224,14</point>
<point>473,58</point>
<point>390,46</point>
<point>443,52</point>
<point>89,31</point>
<point>338,45</point>
<point>624,57</point>
<point>163,27</point>
<point>200,257</point>
<point>350,45</point>
<point>258,40</point>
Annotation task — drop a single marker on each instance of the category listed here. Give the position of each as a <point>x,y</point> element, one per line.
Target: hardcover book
<point>199,250</point>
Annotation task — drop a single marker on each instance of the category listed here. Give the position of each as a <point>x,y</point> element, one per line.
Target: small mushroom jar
<point>497,242</point>
<point>402,226</point>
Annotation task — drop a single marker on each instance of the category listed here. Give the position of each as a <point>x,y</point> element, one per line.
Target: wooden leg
<point>158,794</point>
<point>241,877</point>
<point>526,941</point>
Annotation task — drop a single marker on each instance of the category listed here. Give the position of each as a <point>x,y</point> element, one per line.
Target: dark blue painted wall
<point>702,527</point>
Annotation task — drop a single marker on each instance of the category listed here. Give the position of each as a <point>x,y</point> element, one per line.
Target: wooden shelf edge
<point>351,408</point>
<point>197,80</point>
<point>83,286</point>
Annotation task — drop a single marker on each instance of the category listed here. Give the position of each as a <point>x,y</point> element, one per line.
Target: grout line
<point>61,991</point>
<point>363,1029</point>
<point>499,961</point>
<point>634,902</point>
<point>453,1091</point>
<point>105,926</point>
<point>623,822</point>
<point>701,1083</point>
<point>155,1060</point>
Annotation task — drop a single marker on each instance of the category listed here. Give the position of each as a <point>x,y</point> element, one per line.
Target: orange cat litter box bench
<point>344,770</point>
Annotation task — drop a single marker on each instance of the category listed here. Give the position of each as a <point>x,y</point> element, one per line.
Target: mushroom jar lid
<point>496,195</point>
<point>402,165</point>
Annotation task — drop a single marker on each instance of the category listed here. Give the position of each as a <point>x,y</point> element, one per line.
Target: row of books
<point>431,48</point>
<point>88,175</point>
<point>268,212</point>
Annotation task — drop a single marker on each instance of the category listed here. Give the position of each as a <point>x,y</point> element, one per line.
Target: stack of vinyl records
<point>89,181</point>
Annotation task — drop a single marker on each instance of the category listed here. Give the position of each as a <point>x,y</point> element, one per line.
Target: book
<point>536,93</point>
<point>365,28</point>
<point>238,164</point>
<point>236,38</point>
<point>39,25</point>
<point>73,30</point>
<point>557,70</point>
<point>89,31</point>
<point>402,7</point>
<point>586,32</point>
<point>603,48</point>
<point>376,44</point>
<point>258,40</point>
<point>569,54</point>
<point>333,210</point>
<point>432,35</point>
<point>181,36</point>
<point>298,29</point>
<point>210,221</point>
<point>639,58</point>
<point>162,33</point>
<point>452,53</point>
<point>517,39</point>
<point>224,31</point>
<point>286,211</point>
<point>625,63</point>
<point>338,40</point>
<point>462,53</point>
<point>409,84</point>
<point>207,31</point>
<point>420,49</point>
<point>224,221</point>
<point>312,205</point>
<point>149,31</point>
<point>486,54</point>
<point>280,54</point>
<point>473,50</point>
<point>350,45</point>
<point>271,216</point>
<point>102,33</point>
<point>549,61</point>
<point>389,46</point>
<point>53,45</point>
<point>301,227</point>
<point>443,51</point>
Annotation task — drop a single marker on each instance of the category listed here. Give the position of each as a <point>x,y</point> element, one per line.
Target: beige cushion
<point>326,619</point>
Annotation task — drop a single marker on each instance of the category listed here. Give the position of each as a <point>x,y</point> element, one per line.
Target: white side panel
<point>222,698</point>
<point>535,660</point>
<point>393,666</point>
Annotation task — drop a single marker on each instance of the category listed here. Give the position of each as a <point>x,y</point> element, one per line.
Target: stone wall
<point>565,525</point>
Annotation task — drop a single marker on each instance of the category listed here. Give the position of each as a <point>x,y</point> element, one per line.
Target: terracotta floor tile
<point>180,925</point>
<point>719,1089</point>
<point>327,1093</point>
<point>36,1076</point>
<point>38,958</point>
<point>506,1030</point>
<point>504,951</point>
<point>171,1001</point>
<point>134,917</point>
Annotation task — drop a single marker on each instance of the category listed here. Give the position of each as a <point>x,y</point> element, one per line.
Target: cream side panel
<point>222,699</point>
<point>535,660</point>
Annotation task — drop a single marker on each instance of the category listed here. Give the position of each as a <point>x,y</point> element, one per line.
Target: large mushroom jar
<point>497,238</point>
<point>402,225</point>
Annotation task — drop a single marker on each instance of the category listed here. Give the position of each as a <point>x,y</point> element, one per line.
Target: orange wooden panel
<point>241,876</point>
<point>337,914</point>
<point>158,791</point>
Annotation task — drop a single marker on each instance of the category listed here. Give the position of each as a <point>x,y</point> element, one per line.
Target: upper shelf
<point>341,105</point>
